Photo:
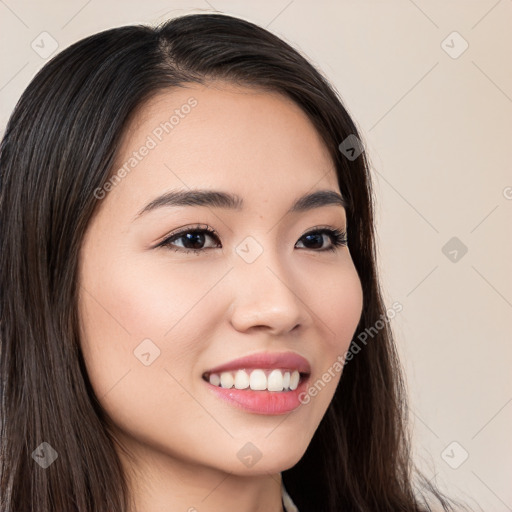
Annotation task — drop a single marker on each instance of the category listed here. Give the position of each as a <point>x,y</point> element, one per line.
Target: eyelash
<point>338,238</point>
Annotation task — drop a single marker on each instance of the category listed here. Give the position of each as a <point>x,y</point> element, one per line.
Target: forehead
<point>252,142</point>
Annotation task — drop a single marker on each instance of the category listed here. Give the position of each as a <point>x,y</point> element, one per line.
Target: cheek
<point>346,313</point>
<point>335,299</point>
<point>147,298</point>
<point>337,307</point>
<point>122,309</point>
<point>123,305</point>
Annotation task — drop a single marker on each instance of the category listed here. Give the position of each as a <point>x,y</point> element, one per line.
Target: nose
<point>266,295</point>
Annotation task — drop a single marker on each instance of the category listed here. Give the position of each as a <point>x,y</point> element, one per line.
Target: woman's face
<point>155,318</point>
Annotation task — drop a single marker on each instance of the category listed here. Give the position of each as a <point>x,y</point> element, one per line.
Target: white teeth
<point>257,380</point>
<point>241,380</point>
<point>286,380</point>
<point>214,379</point>
<point>294,380</point>
<point>226,380</point>
<point>275,381</point>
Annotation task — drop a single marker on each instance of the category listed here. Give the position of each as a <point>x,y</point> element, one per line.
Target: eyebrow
<point>219,199</point>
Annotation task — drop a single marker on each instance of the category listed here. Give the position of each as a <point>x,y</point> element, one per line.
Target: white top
<point>288,504</point>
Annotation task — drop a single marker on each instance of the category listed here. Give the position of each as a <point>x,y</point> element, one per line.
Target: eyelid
<point>322,226</point>
<point>336,233</point>
<point>187,229</point>
<point>339,237</point>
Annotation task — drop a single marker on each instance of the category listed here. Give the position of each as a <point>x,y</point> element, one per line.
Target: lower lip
<point>262,402</point>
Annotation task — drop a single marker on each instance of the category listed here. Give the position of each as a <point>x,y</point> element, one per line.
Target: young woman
<point>187,272</point>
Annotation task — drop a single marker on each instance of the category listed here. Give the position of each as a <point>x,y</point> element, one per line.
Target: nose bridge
<point>264,293</point>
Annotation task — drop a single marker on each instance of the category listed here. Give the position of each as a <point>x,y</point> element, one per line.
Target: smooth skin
<point>205,308</point>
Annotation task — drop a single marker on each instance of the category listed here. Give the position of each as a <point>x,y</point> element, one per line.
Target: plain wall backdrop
<point>429,83</point>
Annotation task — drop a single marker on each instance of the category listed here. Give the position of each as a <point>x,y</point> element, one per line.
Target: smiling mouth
<point>274,380</point>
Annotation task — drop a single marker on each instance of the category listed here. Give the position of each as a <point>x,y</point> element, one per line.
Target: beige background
<point>438,129</point>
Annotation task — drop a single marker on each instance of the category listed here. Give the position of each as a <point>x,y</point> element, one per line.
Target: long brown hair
<point>59,147</point>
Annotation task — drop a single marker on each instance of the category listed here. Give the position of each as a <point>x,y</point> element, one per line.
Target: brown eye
<point>194,239</point>
<point>191,240</point>
<point>316,239</point>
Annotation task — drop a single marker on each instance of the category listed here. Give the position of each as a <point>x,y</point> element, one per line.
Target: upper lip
<point>265,360</point>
